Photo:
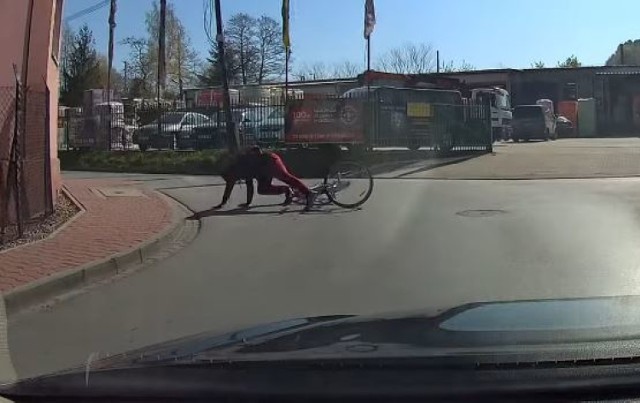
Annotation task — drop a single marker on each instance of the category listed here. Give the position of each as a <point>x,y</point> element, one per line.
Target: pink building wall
<point>42,72</point>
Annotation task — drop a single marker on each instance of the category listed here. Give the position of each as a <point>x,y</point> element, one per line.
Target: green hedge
<point>209,162</point>
<point>301,162</point>
<point>165,162</point>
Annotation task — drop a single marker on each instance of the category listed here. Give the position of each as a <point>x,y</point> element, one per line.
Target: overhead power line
<point>87,10</point>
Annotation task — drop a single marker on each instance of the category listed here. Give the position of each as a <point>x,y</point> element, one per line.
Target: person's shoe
<point>288,197</point>
<point>311,197</point>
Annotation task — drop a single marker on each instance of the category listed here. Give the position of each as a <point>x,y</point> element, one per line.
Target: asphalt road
<point>416,245</point>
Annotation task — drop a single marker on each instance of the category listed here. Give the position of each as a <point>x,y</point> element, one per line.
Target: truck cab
<point>501,115</point>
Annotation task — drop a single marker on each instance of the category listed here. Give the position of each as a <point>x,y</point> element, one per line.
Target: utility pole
<point>232,138</point>
<point>112,26</point>
<point>161,65</point>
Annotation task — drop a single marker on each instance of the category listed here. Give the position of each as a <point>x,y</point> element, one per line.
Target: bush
<point>209,162</point>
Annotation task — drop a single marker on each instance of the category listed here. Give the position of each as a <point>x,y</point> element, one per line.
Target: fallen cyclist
<point>263,166</point>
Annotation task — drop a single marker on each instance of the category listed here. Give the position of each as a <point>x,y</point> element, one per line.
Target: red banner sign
<point>325,120</point>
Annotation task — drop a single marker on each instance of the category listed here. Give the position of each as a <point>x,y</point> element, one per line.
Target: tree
<point>537,65</point>
<point>449,67</point>
<point>117,80</point>
<point>315,71</point>
<point>181,59</point>
<point>626,54</point>
<point>66,42</point>
<point>241,37</point>
<point>210,75</point>
<point>140,67</point>
<point>409,58</point>
<point>271,52</point>
<point>82,71</point>
<point>571,62</point>
<point>346,69</point>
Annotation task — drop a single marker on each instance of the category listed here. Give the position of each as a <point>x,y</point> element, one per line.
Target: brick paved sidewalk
<point>117,217</point>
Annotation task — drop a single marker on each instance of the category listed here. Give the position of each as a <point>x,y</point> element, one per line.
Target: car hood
<point>476,327</point>
<point>517,334</point>
<point>499,335</point>
<point>164,127</point>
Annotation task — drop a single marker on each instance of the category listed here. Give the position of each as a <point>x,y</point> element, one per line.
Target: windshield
<point>382,157</point>
<point>171,118</point>
<point>524,112</point>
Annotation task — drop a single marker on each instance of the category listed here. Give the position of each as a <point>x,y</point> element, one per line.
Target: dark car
<point>173,131</point>
<point>213,134</point>
<point>529,123</point>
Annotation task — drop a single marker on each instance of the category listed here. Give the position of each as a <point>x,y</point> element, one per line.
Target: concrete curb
<point>44,289</point>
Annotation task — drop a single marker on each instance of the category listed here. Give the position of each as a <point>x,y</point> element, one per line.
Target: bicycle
<point>347,184</point>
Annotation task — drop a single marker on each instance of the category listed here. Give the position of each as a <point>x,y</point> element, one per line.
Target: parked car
<point>174,131</point>
<point>263,124</point>
<point>529,122</point>
<point>213,134</point>
<point>564,127</point>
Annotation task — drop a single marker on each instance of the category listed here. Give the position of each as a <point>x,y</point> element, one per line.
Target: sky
<point>484,33</point>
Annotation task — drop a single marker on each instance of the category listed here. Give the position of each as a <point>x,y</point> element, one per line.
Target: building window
<point>57,22</point>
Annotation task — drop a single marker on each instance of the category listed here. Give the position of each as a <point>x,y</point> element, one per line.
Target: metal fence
<point>392,118</point>
<point>25,158</point>
<point>153,127</point>
<point>383,117</point>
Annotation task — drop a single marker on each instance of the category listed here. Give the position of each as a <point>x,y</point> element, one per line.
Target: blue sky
<point>485,33</point>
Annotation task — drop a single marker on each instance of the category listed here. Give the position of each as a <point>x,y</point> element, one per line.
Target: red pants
<point>279,171</point>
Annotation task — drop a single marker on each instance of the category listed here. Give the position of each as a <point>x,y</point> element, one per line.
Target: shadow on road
<point>254,210</point>
<point>400,169</point>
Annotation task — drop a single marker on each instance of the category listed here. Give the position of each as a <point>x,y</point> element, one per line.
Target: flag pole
<point>368,53</point>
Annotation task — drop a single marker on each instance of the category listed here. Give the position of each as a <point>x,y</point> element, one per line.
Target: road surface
<point>416,245</point>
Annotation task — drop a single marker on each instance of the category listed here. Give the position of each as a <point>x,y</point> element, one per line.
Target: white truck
<point>501,115</point>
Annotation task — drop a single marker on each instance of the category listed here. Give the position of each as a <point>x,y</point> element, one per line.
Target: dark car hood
<point>497,332</point>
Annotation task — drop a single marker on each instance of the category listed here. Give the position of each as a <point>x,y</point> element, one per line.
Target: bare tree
<point>271,53</point>
<point>410,58</point>
<point>140,64</point>
<point>315,71</point>
<point>346,69</point>
<point>184,61</point>
<point>181,58</point>
<point>241,36</point>
<point>450,67</point>
<point>466,66</point>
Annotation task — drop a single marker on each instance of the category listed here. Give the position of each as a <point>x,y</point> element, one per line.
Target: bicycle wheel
<point>348,184</point>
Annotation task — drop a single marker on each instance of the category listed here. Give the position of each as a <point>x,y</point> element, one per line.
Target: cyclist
<point>262,166</point>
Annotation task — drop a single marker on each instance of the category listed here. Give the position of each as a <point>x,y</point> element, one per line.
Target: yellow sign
<point>419,110</point>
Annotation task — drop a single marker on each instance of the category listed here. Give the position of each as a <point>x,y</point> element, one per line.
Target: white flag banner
<point>369,18</point>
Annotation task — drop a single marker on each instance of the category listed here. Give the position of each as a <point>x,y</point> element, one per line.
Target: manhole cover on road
<point>480,213</point>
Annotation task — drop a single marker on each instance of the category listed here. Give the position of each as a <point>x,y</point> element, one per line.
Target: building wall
<point>530,85</point>
<point>41,165</point>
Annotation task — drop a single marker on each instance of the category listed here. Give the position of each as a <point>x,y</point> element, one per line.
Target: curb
<point>41,290</point>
